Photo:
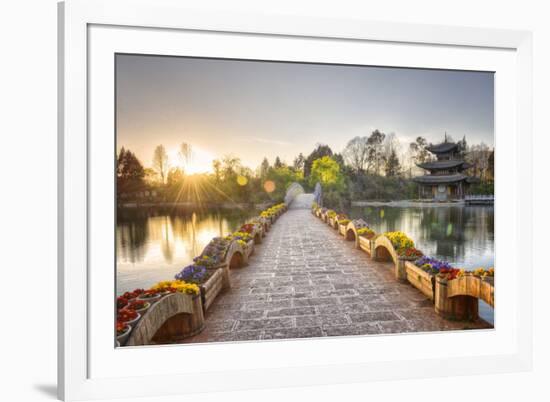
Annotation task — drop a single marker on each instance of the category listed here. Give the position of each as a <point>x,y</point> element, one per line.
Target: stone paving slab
<point>306,281</point>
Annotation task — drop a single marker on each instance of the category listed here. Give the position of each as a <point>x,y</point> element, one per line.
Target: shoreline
<point>192,205</point>
<point>410,203</point>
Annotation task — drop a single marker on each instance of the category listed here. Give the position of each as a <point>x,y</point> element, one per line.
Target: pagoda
<point>445,178</point>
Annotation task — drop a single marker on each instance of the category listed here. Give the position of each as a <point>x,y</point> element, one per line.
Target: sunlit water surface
<point>155,246</point>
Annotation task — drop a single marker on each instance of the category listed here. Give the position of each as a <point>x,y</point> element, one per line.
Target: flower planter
<point>489,279</point>
<point>121,339</point>
<point>420,279</point>
<point>133,322</point>
<point>144,309</point>
<point>211,288</point>
<point>151,299</point>
<point>487,290</point>
<point>365,244</point>
<point>249,250</point>
<point>342,229</point>
<point>172,319</point>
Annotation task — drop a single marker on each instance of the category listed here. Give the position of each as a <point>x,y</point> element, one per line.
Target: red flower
<point>136,305</point>
<point>133,294</point>
<point>121,327</point>
<point>125,315</point>
<point>121,302</point>
<point>247,227</point>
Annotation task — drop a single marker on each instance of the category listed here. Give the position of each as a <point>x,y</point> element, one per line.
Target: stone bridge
<point>305,281</point>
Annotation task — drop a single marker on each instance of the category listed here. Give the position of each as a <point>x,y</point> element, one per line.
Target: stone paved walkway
<point>305,281</point>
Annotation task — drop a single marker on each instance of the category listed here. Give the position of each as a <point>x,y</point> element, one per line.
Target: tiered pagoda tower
<point>445,178</point>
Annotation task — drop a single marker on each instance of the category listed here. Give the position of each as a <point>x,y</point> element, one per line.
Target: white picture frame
<point>79,38</point>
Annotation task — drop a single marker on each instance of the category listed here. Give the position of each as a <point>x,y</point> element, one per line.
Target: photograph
<point>262,200</point>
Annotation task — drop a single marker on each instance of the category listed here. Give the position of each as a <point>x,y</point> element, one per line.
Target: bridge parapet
<point>170,319</point>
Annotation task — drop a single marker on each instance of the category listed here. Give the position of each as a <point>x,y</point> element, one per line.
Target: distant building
<point>445,179</point>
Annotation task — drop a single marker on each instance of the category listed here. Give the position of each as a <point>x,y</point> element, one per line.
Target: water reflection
<point>154,245</point>
<point>462,235</point>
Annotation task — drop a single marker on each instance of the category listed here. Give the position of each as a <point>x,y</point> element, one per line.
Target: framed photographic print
<point>256,201</point>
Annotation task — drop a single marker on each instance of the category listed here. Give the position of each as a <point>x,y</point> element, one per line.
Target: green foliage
<point>326,171</point>
<point>319,152</point>
<point>483,188</point>
<point>129,171</point>
<point>282,177</point>
<point>373,187</point>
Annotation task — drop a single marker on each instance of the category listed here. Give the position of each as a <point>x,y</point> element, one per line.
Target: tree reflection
<point>463,235</point>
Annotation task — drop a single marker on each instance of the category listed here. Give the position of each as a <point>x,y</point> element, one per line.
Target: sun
<point>199,162</point>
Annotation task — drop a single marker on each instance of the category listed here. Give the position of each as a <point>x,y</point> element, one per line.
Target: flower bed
<point>410,254</point>
<point>366,233</point>
<point>399,240</point>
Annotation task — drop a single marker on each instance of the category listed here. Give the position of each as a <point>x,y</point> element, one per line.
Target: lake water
<point>154,246</point>
<point>462,235</point>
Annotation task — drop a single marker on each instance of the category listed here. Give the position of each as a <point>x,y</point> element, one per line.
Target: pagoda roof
<point>442,164</point>
<point>440,179</point>
<point>442,148</point>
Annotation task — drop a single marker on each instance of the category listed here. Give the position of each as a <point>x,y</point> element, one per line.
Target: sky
<point>257,109</point>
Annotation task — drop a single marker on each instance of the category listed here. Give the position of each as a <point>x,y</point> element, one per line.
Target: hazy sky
<point>256,109</point>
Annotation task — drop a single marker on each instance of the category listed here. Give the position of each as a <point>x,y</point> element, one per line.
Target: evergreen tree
<point>299,163</point>
<point>393,167</point>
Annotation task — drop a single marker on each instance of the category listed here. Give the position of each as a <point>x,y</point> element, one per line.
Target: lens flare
<point>242,181</point>
<point>269,186</point>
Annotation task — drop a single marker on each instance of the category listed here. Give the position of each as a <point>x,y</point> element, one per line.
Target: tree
<point>393,167</point>
<point>230,167</point>
<point>326,171</point>
<point>299,163</point>
<point>264,168</point>
<point>356,153</point>
<point>376,151</point>
<point>491,167</point>
<point>282,177</point>
<point>217,167</point>
<point>185,154</point>
<point>175,177</point>
<point>277,164</point>
<point>320,151</point>
<point>160,161</point>
<point>478,157</point>
<point>418,150</point>
<point>130,172</point>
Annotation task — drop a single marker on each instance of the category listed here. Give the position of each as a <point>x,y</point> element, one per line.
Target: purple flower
<point>192,274</point>
<point>435,264</point>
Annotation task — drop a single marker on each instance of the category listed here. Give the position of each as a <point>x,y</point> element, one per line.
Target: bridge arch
<point>384,250</point>
<point>292,192</point>
<point>174,317</point>
<point>351,230</point>
<point>458,298</point>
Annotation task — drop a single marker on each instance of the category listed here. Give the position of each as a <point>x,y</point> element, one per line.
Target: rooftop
<point>440,179</point>
<point>442,148</point>
<point>443,164</point>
